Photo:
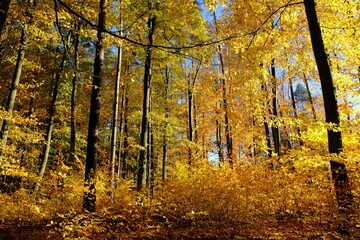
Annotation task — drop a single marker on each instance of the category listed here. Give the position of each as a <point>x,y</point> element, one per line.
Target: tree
<point>115,115</point>
<point>74,82</point>
<point>275,129</point>
<point>339,173</point>
<point>229,144</point>
<point>89,202</point>
<point>141,176</point>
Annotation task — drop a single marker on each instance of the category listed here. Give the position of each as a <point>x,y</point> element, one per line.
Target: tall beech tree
<point>293,104</point>
<point>339,173</point>
<point>89,202</point>
<point>141,175</point>
<point>275,128</point>
<point>165,124</point>
<point>115,114</point>
<point>74,82</point>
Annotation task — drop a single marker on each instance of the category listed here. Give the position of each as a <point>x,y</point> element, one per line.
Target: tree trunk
<point>219,142</point>
<point>4,8</point>
<point>191,107</point>
<point>190,119</point>
<point>148,150</point>
<point>89,201</point>
<point>50,126</point>
<point>275,129</point>
<point>228,137</point>
<point>13,90</point>
<point>125,170</point>
<point>310,97</point>
<point>301,143</point>
<point>122,164</point>
<point>153,164</point>
<point>266,126</point>
<point>115,121</point>
<point>339,173</point>
<point>73,96</point>
<point>165,126</point>
<point>141,176</point>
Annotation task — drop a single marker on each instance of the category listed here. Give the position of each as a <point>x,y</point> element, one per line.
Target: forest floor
<point>145,225</point>
<point>242,203</point>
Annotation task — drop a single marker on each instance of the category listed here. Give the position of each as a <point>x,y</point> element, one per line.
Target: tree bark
<point>141,176</point>
<point>73,96</point>
<point>89,201</point>
<point>190,119</point>
<point>148,150</point>
<point>310,97</point>
<point>275,129</point>
<point>122,163</point>
<point>165,126</point>
<point>293,103</point>
<point>266,126</point>
<point>115,121</point>
<point>50,126</point>
<point>219,141</point>
<point>228,137</point>
<point>153,164</point>
<point>13,90</point>
<point>4,8</point>
<point>339,173</point>
<point>124,153</point>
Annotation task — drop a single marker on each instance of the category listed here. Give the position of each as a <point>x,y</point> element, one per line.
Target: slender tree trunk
<point>115,121</point>
<point>152,162</point>
<point>190,119</point>
<point>121,130</point>
<point>196,137</point>
<point>50,126</point>
<point>266,126</point>
<point>191,107</point>
<point>204,148</point>
<point>73,96</point>
<point>310,97</point>
<point>115,115</point>
<point>13,90</point>
<point>228,137</point>
<point>219,141</point>
<point>148,150</point>
<point>293,103</point>
<point>89,201</point>
<point>4,8</point>
<point>166,122</point>
<point>141,176</point>
<point>275,129</point>
<point>122,169</point>
<point>339,173</point>
<point>123,150</point>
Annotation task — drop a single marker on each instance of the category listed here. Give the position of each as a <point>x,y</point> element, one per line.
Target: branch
<point>114,34</point>
<point>201,44</point>
<point>269,17</point>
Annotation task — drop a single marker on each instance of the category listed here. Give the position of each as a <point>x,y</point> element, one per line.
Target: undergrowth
<point>241,195</point>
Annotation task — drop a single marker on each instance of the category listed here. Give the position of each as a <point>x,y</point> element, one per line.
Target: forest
<point>179,119</point>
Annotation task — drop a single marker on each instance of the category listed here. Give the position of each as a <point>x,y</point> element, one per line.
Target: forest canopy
<point>180,112</point>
